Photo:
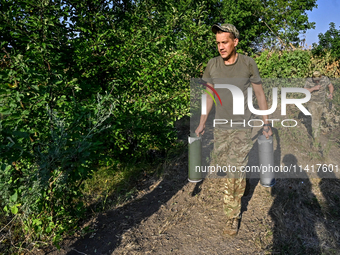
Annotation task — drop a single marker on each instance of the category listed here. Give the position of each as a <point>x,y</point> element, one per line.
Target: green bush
<point>284,64</point>
<point>81,82</point>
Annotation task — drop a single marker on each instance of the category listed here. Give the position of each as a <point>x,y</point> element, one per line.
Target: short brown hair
<point>231,35</point>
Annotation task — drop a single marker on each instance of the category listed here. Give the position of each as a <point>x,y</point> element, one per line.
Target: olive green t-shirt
<point>241,74</point>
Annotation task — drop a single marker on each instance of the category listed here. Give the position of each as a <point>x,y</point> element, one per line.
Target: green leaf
<point>14,197</point>
<point>14,209</point>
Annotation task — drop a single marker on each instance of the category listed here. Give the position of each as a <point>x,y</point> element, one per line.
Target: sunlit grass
<point>115,183</point>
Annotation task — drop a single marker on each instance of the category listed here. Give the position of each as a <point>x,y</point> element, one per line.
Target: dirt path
<point>172,216</point>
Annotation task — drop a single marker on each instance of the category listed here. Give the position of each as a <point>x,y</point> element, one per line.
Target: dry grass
<point>328,65</point>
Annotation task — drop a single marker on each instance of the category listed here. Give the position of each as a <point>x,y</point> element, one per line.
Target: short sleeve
<point>206,75</point>
<point>254,72</point>
<point>309,84</point>
<point>326,80</point>
<point>306,84</point>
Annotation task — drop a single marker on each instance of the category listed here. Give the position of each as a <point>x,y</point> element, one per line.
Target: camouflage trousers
<point>316,109</point>
<point>231,148</point>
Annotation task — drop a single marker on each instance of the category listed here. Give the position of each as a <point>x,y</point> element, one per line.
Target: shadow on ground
<point>110,226</point>
<point>301,223</point>
<point>304,223</point>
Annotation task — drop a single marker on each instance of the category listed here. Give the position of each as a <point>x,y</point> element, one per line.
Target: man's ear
<point>235,42</point>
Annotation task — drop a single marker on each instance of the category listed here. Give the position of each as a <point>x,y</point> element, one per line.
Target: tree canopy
<point>261,20</point>
<point>330,40</point>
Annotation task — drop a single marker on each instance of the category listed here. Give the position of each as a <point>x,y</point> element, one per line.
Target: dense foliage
<point>264,24</point>
<point>82,82</point>
<point>284,64</point>
<point>329,41</point>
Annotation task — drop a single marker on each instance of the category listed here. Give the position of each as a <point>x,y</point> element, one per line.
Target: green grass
<point>115,183</point>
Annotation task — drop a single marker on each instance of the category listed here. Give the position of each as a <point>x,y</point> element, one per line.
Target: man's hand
<point>317,87</point>
<point>267,131</point>
<point>200,130</point>
<point>330,96</point>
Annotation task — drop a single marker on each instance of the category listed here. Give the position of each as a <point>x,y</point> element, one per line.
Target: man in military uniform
<point>232,143</point>
<point>317,87</point>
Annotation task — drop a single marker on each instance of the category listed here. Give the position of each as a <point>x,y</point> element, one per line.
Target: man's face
<point>225,44</point>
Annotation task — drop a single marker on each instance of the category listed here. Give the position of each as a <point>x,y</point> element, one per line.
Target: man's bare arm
<point>316,87</point>
<point>201,127</point>
<point>331,90</point>
<point>261,99</point>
